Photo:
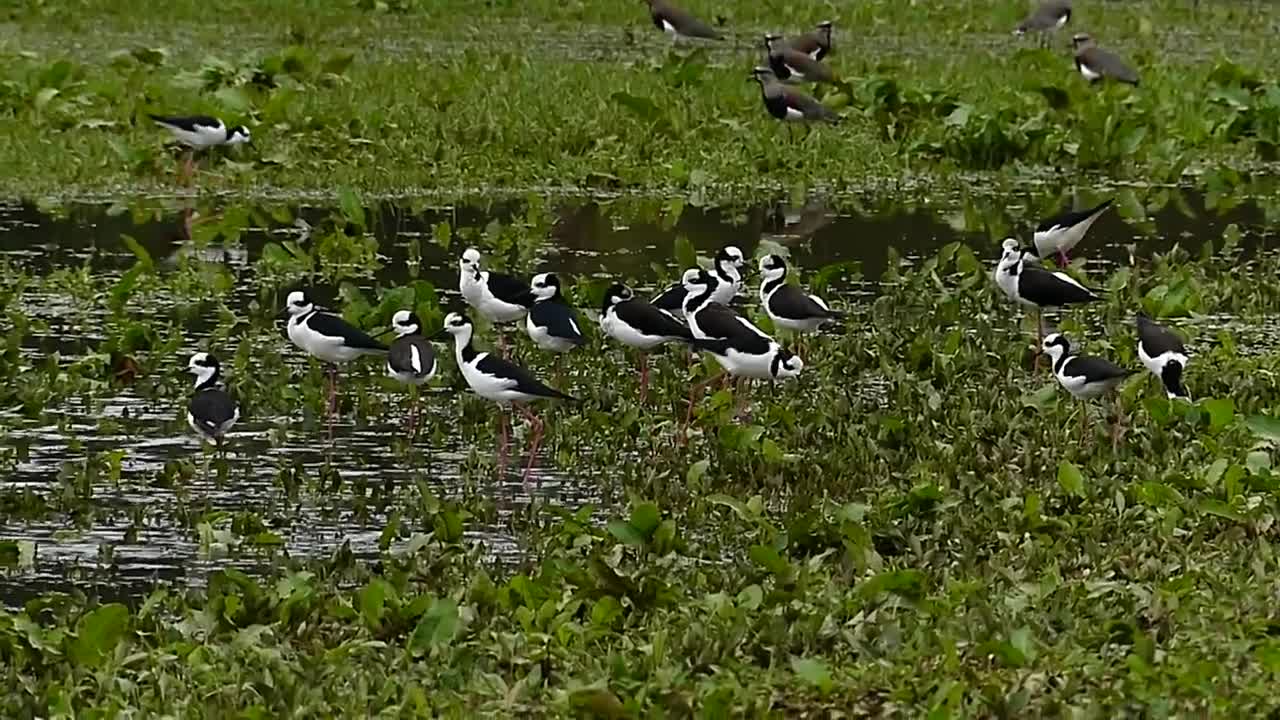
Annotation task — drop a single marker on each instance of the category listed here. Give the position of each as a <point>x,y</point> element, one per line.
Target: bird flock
<point>696,312</point>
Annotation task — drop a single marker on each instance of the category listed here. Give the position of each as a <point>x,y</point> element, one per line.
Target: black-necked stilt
<point>1096,64</point>
<point>1163,353</point>
<point>199,132</point>
<point>792,65</point>
<point>552,323</point>
<point>1084,376</point>
<point>211,412</point>
<point>788,104</point>
<point>789,307</point>
<point>726,276</point>
<point>410,357</point>
<point>497,297</point>
<point>500,381</point>
<point>1037,287</point>
<point>1047,18</point>
<point>679,23</point>
<point>640,325</point>
<point>1060,234</point>
<point>816,43</point>
<point>742,349</point>
<point>328,338</point>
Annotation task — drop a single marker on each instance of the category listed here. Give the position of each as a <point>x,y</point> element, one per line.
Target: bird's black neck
<point>771,285</point>
<point>467,352</point>
<point>209,383</point>
<point>693,302</point>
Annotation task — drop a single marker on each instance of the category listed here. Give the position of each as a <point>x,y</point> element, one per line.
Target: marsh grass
<point>586,97</point>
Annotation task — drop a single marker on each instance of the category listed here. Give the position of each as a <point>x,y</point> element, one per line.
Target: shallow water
<point>137,529</point>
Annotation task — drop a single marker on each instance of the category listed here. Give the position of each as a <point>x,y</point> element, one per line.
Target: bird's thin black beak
<point>385,333</point>
<point>282,314</point>
<point>439,335</point>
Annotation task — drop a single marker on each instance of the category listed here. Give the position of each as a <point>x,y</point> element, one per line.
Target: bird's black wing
<point>1069,218</point>
<point>684,23</point>
<point>651,320</point>
<point>1048,289</point>
<point>792,303</point>
<point>352,336</point>
<point>720,322</point>
<point>212,409</point>
<point>1157,340</point>
<point>812,109</point>
<point>400,355</point>
<point>1093,369</point>
<point>671,299</point>
<point>559,319</point>
<point>526,383</point>
<point>186,122</point>
<point>510,290</point>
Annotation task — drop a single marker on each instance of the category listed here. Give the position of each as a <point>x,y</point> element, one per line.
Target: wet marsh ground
<point>915,527</point>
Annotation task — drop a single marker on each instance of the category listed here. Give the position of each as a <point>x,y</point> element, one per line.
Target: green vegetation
<point>451,98</point>
<point>912,529</point>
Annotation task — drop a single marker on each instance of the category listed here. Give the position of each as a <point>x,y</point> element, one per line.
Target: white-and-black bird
<point>1036,287</point>
<point>1084,376</point>
<point>816,43</point>
<point>726,274</point>
<point>1047,18</point>
<point>552,323</point>
<point>211,412</point>
<point>679,23</point>
<point>200,132</point>
<point>1060,234</point>
<point>1095,63</point>
<point>788,104</point>
<point>499,381</point>
<point>789,307</point>
<point>1162,352</point>
<point>497,297</point>
<point>327,338</point>
<point>792,65</point>
<point>639,325</point>
<point>410,357</point>
<point>742,349</point>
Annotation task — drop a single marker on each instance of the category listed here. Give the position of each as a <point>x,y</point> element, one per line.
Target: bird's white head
<point>457,325</point>
<point>1010,253</point>
<point>772,267</point>
<point>238,135</point>
<point>785,364</point>
<point>545,286</point>
<point>731,255</point>
<point>617,293</point>
<point>770,39</point>
<point>404,322</point>
<point>204,366</point>
<point>1082,40</point>
<point>470,261</point>
<point>1056,346</point>
<point>695,279</point>
<point>298,303</point>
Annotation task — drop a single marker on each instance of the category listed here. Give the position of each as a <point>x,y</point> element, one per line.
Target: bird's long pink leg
<point>333,397</point>
<point>697,390</point>
<point>534,443</point>
<point>644,376</point>
<point>1063,260</point>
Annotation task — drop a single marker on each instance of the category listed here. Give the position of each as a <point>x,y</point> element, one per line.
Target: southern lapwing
<point>1163,353</point>
<point>788,104</point>
<point>1084,376</point>
<point>410,358</point>
<point>679,23</point>
<point>552,323</point>
<point>499,381</point>
<point>1061,233</point>
<point>727,274</point>
<point>742,349</point>
<point>211,412</point>
<point>1096,64</point>
<point>789,307</point>
<point>200,132</point>
<point>791,65</point>
<point>328,338</point>
<point>497,297</point>
<point>1036,287</point>
<point>1047,18</point>
<point>639,325</point>
<point>816,43</point>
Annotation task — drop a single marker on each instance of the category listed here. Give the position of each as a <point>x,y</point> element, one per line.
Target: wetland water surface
<point>138,522</point>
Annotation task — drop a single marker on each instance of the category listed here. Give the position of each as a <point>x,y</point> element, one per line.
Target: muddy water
<point>136,530</point>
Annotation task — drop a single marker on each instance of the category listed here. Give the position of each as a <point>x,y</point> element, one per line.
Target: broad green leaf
<point>1070,478</point>
<point>351,207</point>
<point>1265,427</point>
<point>373,601</point>
<point>436,627</point>
<point>645,518</point>
<point>1211,506</point>
<point>1221,412</point>
<point>625,533</point>
<point>769,559</point>
<point>696,471</point>
<point>97,633</point>
<point>812,671</point>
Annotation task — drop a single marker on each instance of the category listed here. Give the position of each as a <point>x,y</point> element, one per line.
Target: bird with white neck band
<point>410,359</point>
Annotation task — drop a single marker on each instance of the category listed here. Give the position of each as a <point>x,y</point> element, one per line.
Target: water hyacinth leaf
<point>1258,462</point>
<point>598,702</point>
<point>1218,508</point>
<point>1265,427</point>
<point>234,99</point>
<point>372,601</point>
<point>696,471</point>
<point>436,627</point>
<point>606,612</point>
<point>645,518</point>
<point>1221,411</point>
<point>625,533</point>
<point>769,559</point>
<point>812,671</point>
<point>97,633</point>
<point>352,209</point>
<point>907,583</point>
<point>1070,479</point>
